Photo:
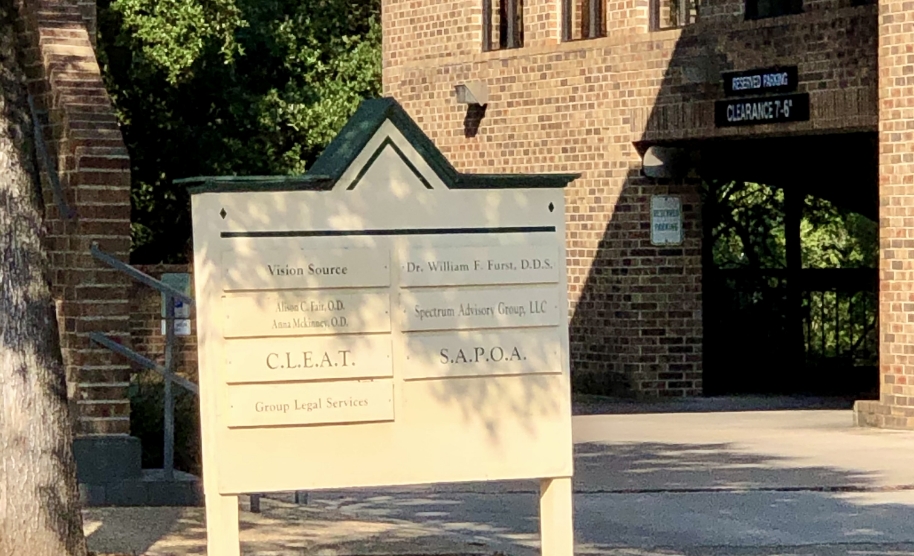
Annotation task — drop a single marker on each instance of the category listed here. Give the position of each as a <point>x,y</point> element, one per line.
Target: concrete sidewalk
<point>741,483</point>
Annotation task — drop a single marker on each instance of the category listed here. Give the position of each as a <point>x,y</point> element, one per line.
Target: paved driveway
<point>689,483</point>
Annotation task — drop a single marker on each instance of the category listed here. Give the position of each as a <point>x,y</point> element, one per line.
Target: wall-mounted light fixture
<point>667,162</point>
<point>473,92</point>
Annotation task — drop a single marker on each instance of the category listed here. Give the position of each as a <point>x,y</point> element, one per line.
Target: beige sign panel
<point>370,373</point>
<point>459,266</point>
<point>261,405</point>
<point>305,313</point>
<point>275,269</point>
<point>455,309</point>
<point>474,353</point>
<point>308,358</point>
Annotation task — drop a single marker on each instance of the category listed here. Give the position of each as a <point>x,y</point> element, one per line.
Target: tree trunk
<point>39,504</point>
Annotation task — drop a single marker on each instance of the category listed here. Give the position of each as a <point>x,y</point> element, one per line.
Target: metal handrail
<point>168,370</point>
<point>143,361</point>
<point>45,158</point>
<point>139,276</point>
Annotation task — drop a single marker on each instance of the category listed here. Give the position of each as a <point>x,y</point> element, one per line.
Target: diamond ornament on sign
<point>222,213</point>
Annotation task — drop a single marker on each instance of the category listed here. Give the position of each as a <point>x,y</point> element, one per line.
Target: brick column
<point>86,145</point>
<point>626,16</point>
<point>895,408</point>
<point>636,327</point>
<point>88,10</point>
<point>542,22</point>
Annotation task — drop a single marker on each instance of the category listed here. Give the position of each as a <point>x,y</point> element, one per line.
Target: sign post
<point>383,320</point>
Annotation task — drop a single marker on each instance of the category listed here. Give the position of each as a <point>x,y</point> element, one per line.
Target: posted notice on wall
<point>181,282</point>
<point>666,220</point>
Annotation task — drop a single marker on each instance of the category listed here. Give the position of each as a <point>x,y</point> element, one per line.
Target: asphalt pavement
<point>707,478</point>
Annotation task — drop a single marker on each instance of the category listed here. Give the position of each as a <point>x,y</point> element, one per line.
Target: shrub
<point>147,402</point>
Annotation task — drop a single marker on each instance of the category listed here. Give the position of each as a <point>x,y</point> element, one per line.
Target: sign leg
<point>222,526</point>
<point>556,529</point>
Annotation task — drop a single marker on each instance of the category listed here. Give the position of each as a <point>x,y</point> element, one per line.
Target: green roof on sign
<point>352,140</point>
<point>216,184</point>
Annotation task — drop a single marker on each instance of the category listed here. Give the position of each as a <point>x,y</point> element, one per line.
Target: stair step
<point>107,458</point>
<point>150,489</point>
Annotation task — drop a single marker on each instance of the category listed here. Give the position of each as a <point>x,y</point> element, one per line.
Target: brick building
<point>87,153</point>
<point>573,86</point>
<point>605,87</point>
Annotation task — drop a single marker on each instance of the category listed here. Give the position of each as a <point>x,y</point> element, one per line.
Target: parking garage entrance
<point>790,249</point>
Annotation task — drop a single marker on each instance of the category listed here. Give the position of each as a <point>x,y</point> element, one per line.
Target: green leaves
<point>238,87</point>
<point>749,230</point>
<point>835,238</point>
<point>172,34</point>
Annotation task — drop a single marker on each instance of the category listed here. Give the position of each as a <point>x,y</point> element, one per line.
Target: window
<point>583,19</point>
<point>760,9</point>
<point>673,14</point>
<point>502,24</point>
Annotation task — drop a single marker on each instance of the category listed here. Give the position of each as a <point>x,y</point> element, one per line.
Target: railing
<point>44,158</point>
<point>168,369</point>
<point>840,317</point>
<point>814,330</point>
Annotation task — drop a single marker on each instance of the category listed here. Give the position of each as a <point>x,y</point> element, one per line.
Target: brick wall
<point>587,107</point>
<point>86,146</point>
<point>895,407</point>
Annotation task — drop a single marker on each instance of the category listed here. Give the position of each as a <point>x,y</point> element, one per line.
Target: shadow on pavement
<point>134,530</point>
<point>738,484</point>
<point>701,499</point>
<point>662,467</point>
<point>603,405</point>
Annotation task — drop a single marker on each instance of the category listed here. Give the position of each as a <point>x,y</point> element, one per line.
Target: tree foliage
<point>748,236</point>
<point>749,228</point>
<point>748,231</point>
<point>837,238</point>
<point>229,87</point>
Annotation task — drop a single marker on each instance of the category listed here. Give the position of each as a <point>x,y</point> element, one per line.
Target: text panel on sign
<point>484,265</point>
<point>308,358</point>
<point>305,313</point>
<point>259,405</point>
<point>455,309</point>
<point>270,269</point>
<point>469,353</point>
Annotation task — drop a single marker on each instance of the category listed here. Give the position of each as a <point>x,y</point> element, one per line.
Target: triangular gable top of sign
<point>346,158</point>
